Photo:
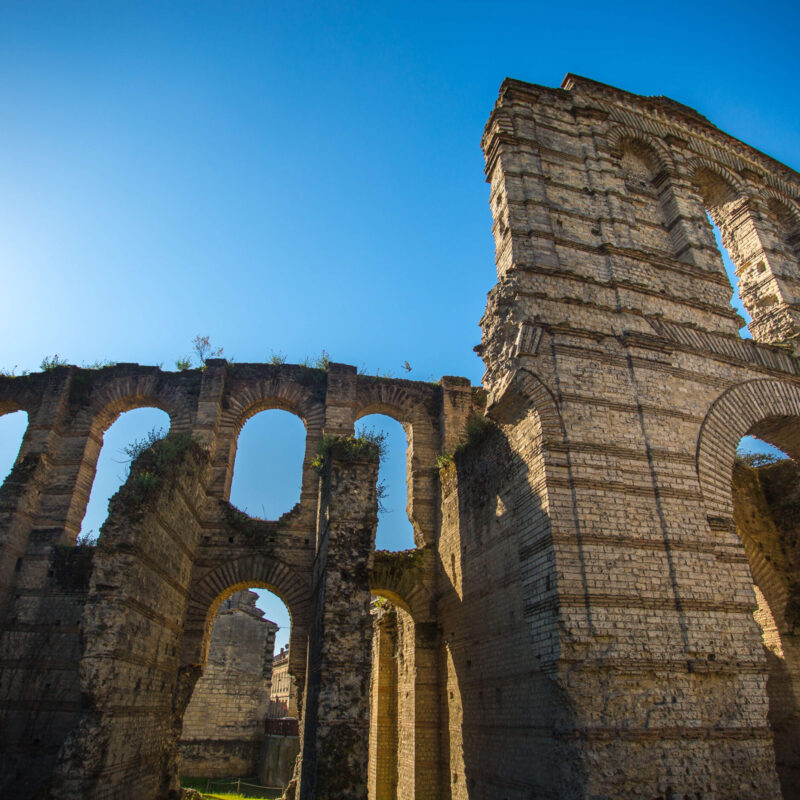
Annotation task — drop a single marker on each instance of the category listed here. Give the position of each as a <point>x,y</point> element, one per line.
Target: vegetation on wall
<point>155,462</point>
<point>475,431</point>
<point>365,445</point>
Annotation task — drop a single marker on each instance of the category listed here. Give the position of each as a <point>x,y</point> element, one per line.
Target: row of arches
<point>267,473</point>
<point>755,228</point>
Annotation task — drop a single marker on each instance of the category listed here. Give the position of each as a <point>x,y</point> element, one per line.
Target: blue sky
<point>297,176</point>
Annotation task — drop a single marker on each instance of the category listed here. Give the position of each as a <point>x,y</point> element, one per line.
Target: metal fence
<point>239,786</point>
<point>281,727</point>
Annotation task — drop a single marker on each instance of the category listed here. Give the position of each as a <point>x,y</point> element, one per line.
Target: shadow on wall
<point>501,701</point>
<point>767,517</point>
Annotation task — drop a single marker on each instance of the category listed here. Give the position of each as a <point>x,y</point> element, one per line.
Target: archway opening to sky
<point>268,471</point>
<point>395,531</point>
<point>730,269</point>
<point>132,428</point>
<point>12,429</point>
<point>245,683</point>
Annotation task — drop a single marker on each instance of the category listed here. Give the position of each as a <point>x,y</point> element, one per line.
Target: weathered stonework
<point>223,726</point>
<point>577,617</point>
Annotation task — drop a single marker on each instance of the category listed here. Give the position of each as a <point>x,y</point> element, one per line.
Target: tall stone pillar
<point>336,718</point>
<point>767,282</point>
<point>426,712</point>
<point>383,722</point>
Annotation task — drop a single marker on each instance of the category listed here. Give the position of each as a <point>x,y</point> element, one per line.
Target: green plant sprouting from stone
<point>276,358</point>
<point>152,458</point>
<point>476,429</point>
<point>203,350</point>
<point>138,446</point>
<point>364,444</point>
<point>49,363</point>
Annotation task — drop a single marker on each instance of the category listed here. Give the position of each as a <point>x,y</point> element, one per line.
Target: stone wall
<point>224,722</point>
<point>611,324</point>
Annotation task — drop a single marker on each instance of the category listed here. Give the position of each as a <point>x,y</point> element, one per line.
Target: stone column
<point>206,427</point>
<point>336,718</point>
<point>426,711</point>
<point>766,276</point>
<point>340,400</point>
<point>383,722</point>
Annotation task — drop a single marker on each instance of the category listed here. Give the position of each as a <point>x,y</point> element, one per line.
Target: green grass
<point>221,789</point>
<point>227,796</point>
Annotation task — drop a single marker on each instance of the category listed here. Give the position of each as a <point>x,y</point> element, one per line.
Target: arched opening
<point>719,198</point>
<point>12,428</point>
<point>766,501</point>
<point>393,702</point>
<point>131,432</point>
<point>268,470</point>
<point>395,531</point>
<point>647,184</point>
<point>730,271</point>
<point>238,731</point>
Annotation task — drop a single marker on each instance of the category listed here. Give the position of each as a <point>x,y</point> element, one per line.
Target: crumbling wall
<point>336,725</point>
<point>126,742</point>
<point>41,651</point>
<point>223,725</point>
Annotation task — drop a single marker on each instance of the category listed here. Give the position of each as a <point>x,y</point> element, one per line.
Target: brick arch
<point>111,398</point>
<point>401,405</point>
<point>398,578</point>
<point>785,215</point>
<point>699,168</point>
<point>620,137</point>
<point>107,401</point>
<point>268,396</point>
<point>391,398</point>
<point>789,204</point>
<point>527,392</point>
<point>267,572</point>
<point>280,392</point>
<point>768,409</point>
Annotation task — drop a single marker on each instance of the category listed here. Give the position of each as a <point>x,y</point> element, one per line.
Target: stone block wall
<point>134,690</point>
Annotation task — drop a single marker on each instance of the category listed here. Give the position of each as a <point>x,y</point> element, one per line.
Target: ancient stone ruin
<point>578,618</point>
<point>223,725</point>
